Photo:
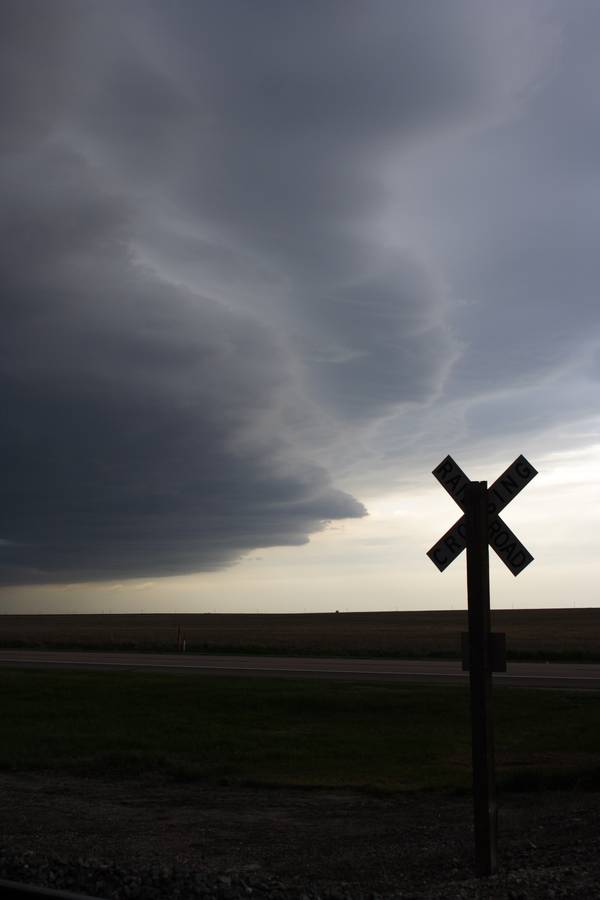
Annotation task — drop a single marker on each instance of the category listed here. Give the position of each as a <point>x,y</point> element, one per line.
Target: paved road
<point>531,675</point>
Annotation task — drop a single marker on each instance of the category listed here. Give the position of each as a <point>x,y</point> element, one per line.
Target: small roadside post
<point>483,652</point>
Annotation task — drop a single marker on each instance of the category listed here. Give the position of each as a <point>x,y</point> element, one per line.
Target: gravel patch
<point>152,839</point>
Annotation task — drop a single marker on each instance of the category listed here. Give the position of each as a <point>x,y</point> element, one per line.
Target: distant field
<point>552,634</point>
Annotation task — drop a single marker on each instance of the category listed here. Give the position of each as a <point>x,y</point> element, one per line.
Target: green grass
<point>288,732</point>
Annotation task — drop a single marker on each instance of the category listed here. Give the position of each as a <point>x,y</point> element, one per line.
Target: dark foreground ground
<point>149,839</point>
<point>156,837</point>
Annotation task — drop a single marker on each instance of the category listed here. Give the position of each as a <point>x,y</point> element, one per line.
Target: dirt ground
<point>305,838</point>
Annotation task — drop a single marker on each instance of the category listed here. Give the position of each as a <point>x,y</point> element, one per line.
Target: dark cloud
<point>39,46</point>
<point>233,253</point>
<point>378,343</point>
<point>142,423</point>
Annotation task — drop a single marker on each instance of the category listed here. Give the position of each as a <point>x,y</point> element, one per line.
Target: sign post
<point>479,526</point>
<point>480,677</point>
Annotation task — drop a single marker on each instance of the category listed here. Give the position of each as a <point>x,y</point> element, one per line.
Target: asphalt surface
<point>570,676</point>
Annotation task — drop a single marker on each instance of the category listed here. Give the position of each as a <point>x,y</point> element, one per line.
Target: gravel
<point>161,840</point>
<point>159,882</point>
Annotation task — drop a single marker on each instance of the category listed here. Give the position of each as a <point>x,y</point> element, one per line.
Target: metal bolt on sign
<point>483,652</point>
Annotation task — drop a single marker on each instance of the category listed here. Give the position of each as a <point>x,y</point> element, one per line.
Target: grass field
<point>552,634</point>
<point>304,733</point>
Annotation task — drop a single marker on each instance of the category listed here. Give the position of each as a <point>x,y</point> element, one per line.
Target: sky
<point>264,266</point>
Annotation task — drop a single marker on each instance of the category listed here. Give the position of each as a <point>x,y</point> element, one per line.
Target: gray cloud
<point>140,419</point>
<point>510,213</point>
<point>234,262</point>
<point>533,318</point>
<point>38,46</point>
<point>378,343</point>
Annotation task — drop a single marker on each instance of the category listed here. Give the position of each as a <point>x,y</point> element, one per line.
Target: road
<point>573,676</point>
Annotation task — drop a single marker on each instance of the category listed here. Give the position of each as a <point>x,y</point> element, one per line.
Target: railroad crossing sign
<point>479,526</point>
<point>500,538</point>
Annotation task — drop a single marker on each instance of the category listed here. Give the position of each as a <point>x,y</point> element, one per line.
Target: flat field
<point>544,634</point>
<point>239,731</point>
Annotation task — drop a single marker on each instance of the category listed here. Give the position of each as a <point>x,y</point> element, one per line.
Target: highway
<point>565,676</point>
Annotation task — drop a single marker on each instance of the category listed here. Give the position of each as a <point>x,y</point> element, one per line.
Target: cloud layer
<point>234,263</point>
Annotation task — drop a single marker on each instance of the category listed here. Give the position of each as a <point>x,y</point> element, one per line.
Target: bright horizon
<point>379,563</point>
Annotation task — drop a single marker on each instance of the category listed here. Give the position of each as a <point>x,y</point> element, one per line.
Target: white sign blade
<point>450,545</point>
<point>501,539</point>
<point>453,479</point>
<point>508,547</point>
<point>509,484</point>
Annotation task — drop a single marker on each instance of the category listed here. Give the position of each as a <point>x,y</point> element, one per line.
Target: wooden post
<point>478,587</point>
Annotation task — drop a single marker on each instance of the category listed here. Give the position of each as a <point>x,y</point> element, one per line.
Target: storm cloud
<point>234,262</point>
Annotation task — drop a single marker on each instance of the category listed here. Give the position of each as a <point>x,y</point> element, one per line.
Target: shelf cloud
<point>251,250</point>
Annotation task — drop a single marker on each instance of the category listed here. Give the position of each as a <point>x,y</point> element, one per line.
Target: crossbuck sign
<point>479,526</point>
<point>501,539</point>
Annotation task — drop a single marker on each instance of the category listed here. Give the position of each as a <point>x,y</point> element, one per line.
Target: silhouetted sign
<point>483,652</point>
<point>501,492</point>
<point>501,539</point>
